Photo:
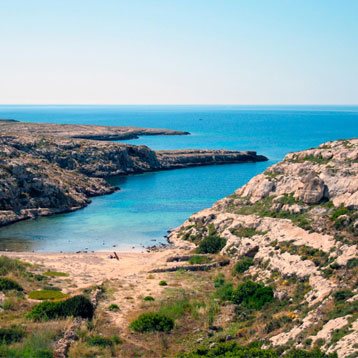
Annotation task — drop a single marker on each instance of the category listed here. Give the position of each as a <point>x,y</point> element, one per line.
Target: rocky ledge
<point>45,170</point>
<point>295,227</point>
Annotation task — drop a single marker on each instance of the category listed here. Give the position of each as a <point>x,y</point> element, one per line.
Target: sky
<point>179,52</point>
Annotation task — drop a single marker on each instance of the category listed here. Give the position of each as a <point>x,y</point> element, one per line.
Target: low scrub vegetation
<point>113,307</point>
<point>211,245</point>
<point>78,306</point>
<point>233,350</point>
<point>47,295</point>
<point>100,341</point>
<point>249,294</point>
<point>243,231</point>
<point>199,260</point>
<point>10,335</point>
<point>8,265</point>
<point>7,284</point>
<point>56,274</point>
<point>243,265</point>
<point>152,321</point>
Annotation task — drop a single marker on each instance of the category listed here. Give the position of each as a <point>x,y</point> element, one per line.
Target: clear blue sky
<point>179,51</point>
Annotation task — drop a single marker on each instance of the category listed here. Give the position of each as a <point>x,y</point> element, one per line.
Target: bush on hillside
<point>77,306</point>
<point>102,342</point>
<point>7,284</point>
<point>211,245</point>
<point>352,263</point>
<point>113,307</point>
<point>152,321</point>
<point>343,295</point>
<point>252,295</point>
<point>243,265</point>
<point>9,335</point>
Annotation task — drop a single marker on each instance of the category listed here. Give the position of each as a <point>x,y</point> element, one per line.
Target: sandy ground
<point>129,275</point>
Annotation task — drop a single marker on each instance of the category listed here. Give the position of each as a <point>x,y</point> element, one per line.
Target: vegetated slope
<point>43,174</point>
<point>295,229</point>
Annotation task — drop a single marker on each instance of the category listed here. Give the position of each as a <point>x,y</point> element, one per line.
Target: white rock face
<point>348,344</point>
<point>327,330</point>
<point>290,231</point>
<point>312,175</point>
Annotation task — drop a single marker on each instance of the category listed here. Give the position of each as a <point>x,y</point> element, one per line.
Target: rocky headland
<point>296,225</point>
<point>52,168</point>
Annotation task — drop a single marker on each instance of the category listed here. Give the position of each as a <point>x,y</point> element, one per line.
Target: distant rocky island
<point>54,168</point>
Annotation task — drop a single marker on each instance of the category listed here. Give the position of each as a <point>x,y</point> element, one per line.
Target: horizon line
<point>172,104</point>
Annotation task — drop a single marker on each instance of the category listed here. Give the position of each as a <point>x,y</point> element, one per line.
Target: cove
<point>148,205</point>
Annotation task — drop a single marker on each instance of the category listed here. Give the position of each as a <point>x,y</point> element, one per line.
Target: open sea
<point>149,204</point>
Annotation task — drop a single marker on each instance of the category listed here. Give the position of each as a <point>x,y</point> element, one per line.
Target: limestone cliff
<point>299,222</point>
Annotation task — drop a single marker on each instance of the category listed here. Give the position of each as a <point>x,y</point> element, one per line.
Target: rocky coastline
<point>47,169</point>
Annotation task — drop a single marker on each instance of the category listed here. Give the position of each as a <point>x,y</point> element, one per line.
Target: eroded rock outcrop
<point>298,221</point>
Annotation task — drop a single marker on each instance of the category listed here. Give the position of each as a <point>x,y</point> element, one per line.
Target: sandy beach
<point>130,273</point>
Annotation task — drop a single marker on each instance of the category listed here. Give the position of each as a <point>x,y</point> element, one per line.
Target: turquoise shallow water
<point>149,204</point>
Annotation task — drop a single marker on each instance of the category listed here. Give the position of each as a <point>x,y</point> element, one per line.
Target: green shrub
<point>225,291</point>
<point>163,283</point>
<point>243,231</point>
<point>152,321</point>
<point>297,353</point>
<point>9,335</point>
<point>75,306</point>
<point>56,274</point>
<point>352,263</point>
<point>343,295</point>
<point>46,295</point>
<point>243,265</point>
<point>211,245</point>
<point>252,295</point>
<point>175,307</point>
<point>116,340</point>
<point>102,342</point>
<point>113,307</point>
<point>199,260</point>
<point>7,284</point>
<point>338,212</point>
<point>148,298</point>
<point>219,280</point>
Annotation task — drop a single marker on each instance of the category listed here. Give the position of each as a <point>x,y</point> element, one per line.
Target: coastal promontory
<point>51,168</point>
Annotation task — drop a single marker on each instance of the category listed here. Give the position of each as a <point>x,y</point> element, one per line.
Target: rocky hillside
<point>44,174</point>
<point>294,229</point>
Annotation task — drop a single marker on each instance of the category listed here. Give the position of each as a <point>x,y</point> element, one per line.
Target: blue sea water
<point>149,204</point>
